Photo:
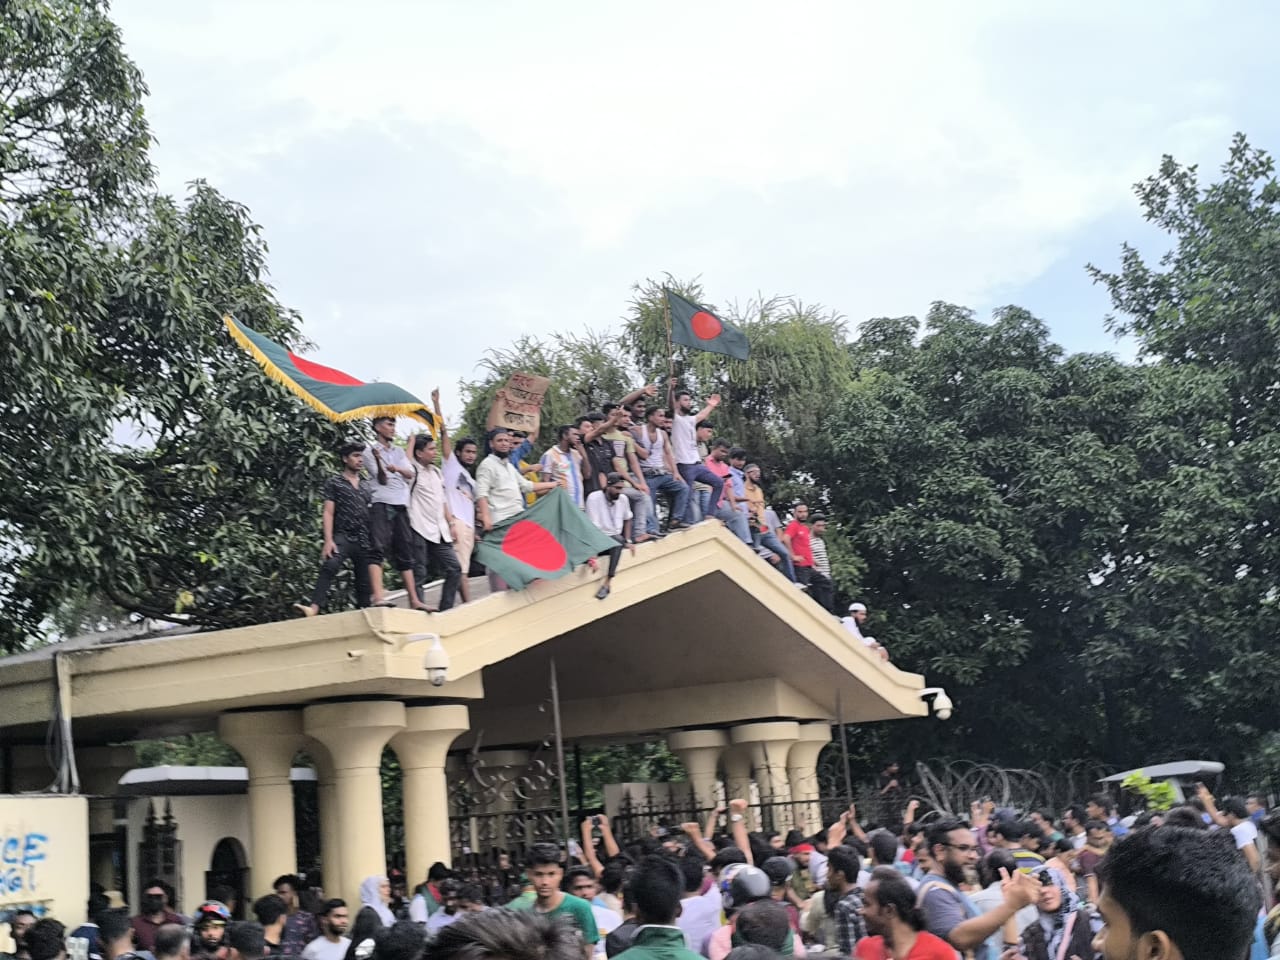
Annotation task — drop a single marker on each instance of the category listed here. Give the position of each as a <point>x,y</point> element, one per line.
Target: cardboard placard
<point>518,404</point>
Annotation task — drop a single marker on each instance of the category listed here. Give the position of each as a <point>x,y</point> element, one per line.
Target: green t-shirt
<point>577,909</point>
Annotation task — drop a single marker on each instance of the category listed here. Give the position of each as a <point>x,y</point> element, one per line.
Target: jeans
<point>660,483</point>
<point>441,554</point>
<point>771,543</point>
<point>358,554</point>
<point>736,520</point>
<point>690,472</point>
<point>641,510</point>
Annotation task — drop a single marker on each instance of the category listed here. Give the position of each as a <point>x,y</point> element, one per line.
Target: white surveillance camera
<point>436,661</point>
<point>942,705</point>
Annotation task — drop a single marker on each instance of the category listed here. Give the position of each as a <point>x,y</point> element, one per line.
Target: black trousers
<point>803,574</point>
<point>615,555</point>
<point>391,536</point>
<point>426,553</point>
<point>359,555</point>
<point>822,589</point>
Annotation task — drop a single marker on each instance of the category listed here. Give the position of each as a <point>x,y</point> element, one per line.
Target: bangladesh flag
<point>542,543</point>
<point>697,327</point>
<point>334,394</point>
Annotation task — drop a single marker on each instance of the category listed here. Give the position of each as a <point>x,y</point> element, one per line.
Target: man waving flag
<point>696,326</point>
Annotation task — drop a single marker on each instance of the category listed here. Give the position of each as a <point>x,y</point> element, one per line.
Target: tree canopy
<point>158,470</point>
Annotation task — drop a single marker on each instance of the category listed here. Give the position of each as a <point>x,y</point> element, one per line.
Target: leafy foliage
<point>110,316</point>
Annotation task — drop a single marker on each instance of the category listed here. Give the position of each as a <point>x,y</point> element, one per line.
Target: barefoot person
<point>346,531</point>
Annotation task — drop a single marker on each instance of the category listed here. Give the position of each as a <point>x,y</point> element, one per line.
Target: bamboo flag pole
<point>671,351</point>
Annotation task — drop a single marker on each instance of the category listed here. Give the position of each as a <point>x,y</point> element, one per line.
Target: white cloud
<point>492,168</point>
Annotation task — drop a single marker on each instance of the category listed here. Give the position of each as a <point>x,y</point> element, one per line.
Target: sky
<point>438,178</point>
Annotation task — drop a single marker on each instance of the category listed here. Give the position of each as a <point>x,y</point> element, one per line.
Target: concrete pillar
<point>100,770</point>
<point>327,801</point>
<point>354,734</point>
<point>267,741</point>
<point>700,752</point>
<point>802,774</point>
<point>422,748</point>
<point>737,773</point>
<point>767,745</point>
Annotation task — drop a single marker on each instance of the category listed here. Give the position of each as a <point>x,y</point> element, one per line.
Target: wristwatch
<point>735,817</point>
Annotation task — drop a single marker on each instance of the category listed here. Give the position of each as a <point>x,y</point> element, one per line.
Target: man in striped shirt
<point>821,587</point>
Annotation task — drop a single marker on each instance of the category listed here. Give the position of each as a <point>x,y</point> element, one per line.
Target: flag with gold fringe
<point>335,395</point>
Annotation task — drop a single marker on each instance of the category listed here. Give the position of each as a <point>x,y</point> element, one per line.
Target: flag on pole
<point>696,326</point>
<point>543,542</point>
<point>335,395</point>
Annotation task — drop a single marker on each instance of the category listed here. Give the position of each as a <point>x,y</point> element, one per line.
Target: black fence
<point>490,846</point>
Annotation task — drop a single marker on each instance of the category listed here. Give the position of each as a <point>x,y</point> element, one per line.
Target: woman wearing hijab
<point>1064,928</point>
<point>375,893</point>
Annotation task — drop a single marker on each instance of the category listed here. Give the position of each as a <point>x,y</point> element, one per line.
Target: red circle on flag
<point>706,326</point>
<point>535,546</point>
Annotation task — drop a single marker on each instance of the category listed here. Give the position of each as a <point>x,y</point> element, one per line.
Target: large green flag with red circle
<point>696,326</point>
<point>544,542</point>
<point>335,395</point>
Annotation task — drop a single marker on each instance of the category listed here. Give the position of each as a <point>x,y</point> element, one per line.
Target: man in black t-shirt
<point>346,531</point>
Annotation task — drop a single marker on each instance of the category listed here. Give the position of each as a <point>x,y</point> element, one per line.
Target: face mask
<point>152,903</point>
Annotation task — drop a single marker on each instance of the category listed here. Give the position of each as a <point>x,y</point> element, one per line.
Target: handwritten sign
<point>518,404</point>
<point>21,855</point>
<point>44,855</point>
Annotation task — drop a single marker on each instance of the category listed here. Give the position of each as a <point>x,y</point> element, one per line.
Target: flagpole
<point>559,734</point>
<point>844,750</point>
<point>671,350</point>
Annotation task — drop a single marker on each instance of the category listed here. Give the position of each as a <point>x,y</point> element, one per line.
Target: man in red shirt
<point>894,924</point>
<point>796,537</point>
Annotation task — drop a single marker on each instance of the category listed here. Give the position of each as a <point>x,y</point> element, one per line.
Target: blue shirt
<point>739,481</point>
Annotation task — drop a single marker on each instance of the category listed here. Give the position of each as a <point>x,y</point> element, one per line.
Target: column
<point>267,741</point>
<point>354,734</point>
<point>700,752</point>
<point>100,770</point>
<point>767,745</point>
<point>422,748</point>
<point>327,800</point>
<point>802,774</point>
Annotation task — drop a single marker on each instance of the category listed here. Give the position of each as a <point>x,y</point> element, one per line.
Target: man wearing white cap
<point>853,623</point>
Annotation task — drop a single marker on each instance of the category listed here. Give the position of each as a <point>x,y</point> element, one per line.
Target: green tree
<point>586,370</point>
<point>979,474</point>
<point>159,469</point>
<point>1197,569</point>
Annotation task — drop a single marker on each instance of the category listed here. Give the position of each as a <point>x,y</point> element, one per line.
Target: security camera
<point>942,705</point>
<point>436,661</point>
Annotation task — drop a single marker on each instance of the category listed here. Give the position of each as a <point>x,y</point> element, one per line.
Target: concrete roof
<point>698,631</point>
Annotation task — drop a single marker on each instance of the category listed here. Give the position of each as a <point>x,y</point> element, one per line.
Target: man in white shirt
<point>432,522</point>
<point>610,511</point>
<point>389,472</point>
<point>460,490</point>
<point>853,623</point>
<point>332,943</point>
<point>684,448</point>
<point>500,488</point>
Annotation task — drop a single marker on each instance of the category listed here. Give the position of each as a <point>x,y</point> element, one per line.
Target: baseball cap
<point>857,608</point>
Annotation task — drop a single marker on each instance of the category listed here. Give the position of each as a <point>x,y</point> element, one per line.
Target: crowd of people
<point>1196,882</point>
<point>641,469</point>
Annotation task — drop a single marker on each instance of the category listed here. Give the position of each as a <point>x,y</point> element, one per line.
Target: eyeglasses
<point>962,847</point>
